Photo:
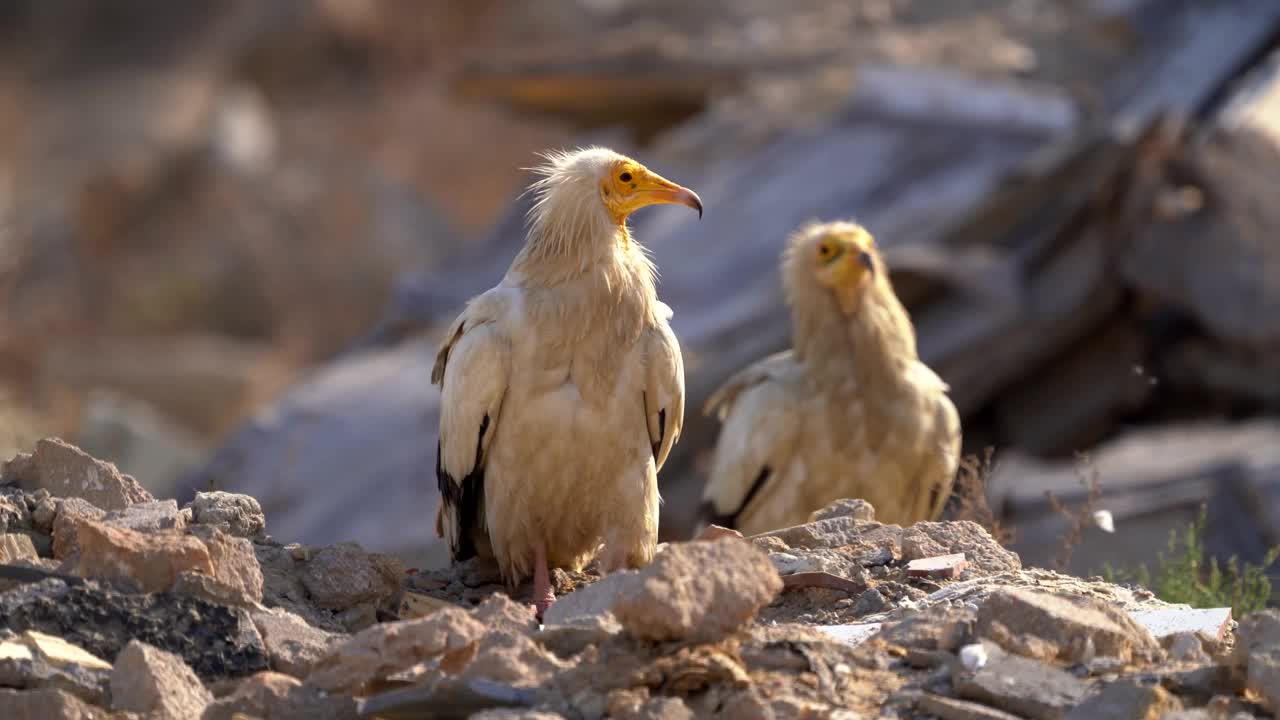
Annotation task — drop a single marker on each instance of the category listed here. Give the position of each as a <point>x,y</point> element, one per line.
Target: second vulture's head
<point>596,186</point>
<point>841,256</point>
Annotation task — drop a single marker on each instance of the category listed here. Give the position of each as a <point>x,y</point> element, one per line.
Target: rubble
<point>156,683</point>
<point>190,620</point>
<point>67,471</point>
<point>233,513</point>
<point>697,591</point>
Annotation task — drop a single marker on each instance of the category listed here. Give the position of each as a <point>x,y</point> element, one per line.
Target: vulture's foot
<point>543,595</point>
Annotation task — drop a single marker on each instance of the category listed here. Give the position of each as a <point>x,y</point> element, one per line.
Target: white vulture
<point>848,412</point>
<point>562,388</point>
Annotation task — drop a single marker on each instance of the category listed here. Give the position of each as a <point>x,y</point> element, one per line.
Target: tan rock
<point>67,471</point>
<point>15,547</point>
<point>984,555</point>
<point>234,563</point>
<point>513,658</point>
<point>233,513</point>
<point>500,612</point>
<point>1256,655</point>
<point>151,560</point>
<point>60,653</point>
<point>34,660</point>
<point>46,704</point>
<point>1070,623</point>
<point>698,591</point>
<point>855,508</point>
<point>388,648</point>
<point>279,697</point>
<point>149,680</point>
<point>68,513</point>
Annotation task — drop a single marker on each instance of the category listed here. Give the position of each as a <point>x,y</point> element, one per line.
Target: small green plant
<point>1184,576</point>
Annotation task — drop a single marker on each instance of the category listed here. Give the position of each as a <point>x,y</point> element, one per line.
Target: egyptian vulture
<point>562,388</point>
<point>850,411</point>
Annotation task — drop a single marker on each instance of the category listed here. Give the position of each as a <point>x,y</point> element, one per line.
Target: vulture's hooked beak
<point>867,262</point>
<point>654,189</point>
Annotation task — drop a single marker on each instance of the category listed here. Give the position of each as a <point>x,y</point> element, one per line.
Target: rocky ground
<point>114,604</point>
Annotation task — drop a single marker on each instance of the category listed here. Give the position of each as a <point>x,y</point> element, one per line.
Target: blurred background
<point>230,232</point>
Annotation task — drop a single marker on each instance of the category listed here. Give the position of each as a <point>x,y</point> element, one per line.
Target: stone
<point>851,634</point>
<point>1212,623</point>
<point>513,658</point>
<point>1072,624</point>
<point>940,567</point>
<point>500,612</point>
<point>46,704</point>
<point>282,586</point>
<point>216,641</point>
<point>715,532</point>
<point>1018,685</point>
<point>1127,699</point>
<point>15,547</point>
<point>239,515</point>
<point>870,602</point>
<point>151,561</point>
<point>207,588</point>
<point>858,509</point>
<point>292,645</point>
<point>570,639</point>
<point>984,555</point>
<point>70,511</point>
<point>590,601</point>
<point>67,471</point>
<point>415,605</point>
<point>146,679</point>
<point>1185,647</point>
<point>234,563</point>
<point>148,516</point>
<point>280,697</point>
<point>633,705</point>
<point>34,660</point>
<point>698,591</point>
<point>14,515</point>
<point>937,628</point>
<point>946,708</point>
<point>43,513</point>
<point>1256,655</point>
<point>343,575</point>
<point>388,648</point>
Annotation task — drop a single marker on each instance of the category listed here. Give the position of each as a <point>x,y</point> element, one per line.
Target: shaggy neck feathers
<point>874,344</point>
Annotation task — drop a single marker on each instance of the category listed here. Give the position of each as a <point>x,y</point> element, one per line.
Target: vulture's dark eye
<point>625,177</point>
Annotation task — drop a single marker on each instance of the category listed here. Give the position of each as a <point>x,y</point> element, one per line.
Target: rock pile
<point>118,605</point>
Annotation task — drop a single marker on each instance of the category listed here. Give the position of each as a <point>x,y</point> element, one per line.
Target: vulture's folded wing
<point>472,369</point>
<point>664,390</point>
<point>762,417</point>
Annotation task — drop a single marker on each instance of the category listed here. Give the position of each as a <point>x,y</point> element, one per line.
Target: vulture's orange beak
<point>636,186</point>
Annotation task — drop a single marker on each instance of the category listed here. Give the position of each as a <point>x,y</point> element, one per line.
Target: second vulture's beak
<point>867,262</point>
<point>652,189</point>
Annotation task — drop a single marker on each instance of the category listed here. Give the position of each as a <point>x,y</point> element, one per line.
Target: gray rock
<point>149,680</point>
<point>239,515</point>
<point>282,586</point>
<point>14,515</point>
<point>292,645</point>
<point>343,575</point>
<point>67,471</point>
<point>46,704</point>
<point>947,708</point>
<point>1020,686</point>
<point>43,513</point>
<point>870,602</point>
<point>855,508</point>
<point>148,516</point>
<point>216,641</point>
<point>1126,699</point>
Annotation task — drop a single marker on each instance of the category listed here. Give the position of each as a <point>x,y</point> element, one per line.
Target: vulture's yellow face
<point>844,260</point>
<point>629,186</point>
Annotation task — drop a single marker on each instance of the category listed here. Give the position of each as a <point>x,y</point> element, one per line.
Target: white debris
<point>1103,519</point>
<point>973,657</point>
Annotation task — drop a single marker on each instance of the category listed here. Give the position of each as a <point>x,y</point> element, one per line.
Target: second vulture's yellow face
<point>629,186</point>
<point>845,261</point>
